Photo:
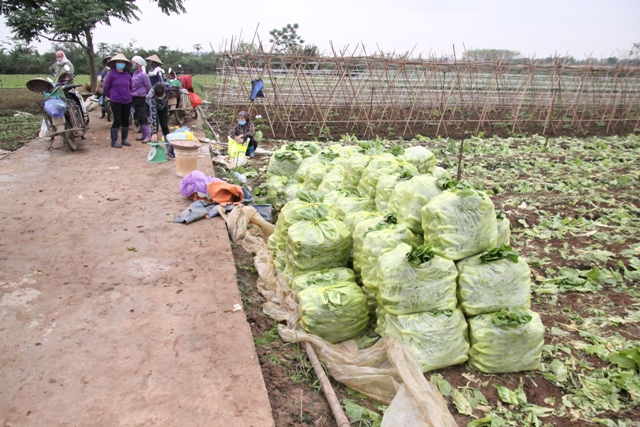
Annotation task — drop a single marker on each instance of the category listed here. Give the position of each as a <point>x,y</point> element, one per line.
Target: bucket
<point>186,156</point>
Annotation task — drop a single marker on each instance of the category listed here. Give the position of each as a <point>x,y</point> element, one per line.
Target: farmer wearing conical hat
<point>157,73</point>
<point>118,87</point>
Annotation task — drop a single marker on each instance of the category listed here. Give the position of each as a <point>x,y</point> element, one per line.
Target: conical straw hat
<point>154,58</point>
<point>118,57</point>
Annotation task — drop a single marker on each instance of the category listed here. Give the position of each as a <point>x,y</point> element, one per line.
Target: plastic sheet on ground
<point>386,371</point>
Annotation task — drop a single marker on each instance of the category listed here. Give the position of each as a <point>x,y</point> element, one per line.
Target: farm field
<point>574,210</point>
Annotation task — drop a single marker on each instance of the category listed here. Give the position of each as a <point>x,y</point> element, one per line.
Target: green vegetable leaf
<point>420,254</point>
<point>628,359</point>
<point>503,251</point>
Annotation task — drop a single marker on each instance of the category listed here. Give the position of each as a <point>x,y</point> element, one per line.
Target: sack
<point>55,107</point>
<point>437,339</point>
<point>487,285</point>
<point>460,223</point>
<point>510,340</point>
<point>195,100</point>
<point>335,313</point>
<point>237,150</point>
<point>413,280</point>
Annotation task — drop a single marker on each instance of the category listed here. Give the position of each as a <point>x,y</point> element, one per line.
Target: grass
<point>16,131</point>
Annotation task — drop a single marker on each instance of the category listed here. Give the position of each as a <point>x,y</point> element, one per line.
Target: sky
<point>540,28</point>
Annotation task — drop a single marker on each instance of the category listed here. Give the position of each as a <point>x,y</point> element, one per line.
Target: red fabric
<point>195,100</point>
<point>187,82</point>
<point>225,193</point>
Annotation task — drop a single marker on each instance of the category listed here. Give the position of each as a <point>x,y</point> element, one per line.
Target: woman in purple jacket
<point>118,87</point>
<point>141,87</point>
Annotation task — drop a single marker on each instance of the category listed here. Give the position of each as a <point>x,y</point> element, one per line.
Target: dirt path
<point>111,315</point>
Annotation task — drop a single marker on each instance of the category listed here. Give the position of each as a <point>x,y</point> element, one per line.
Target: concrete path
<point>111,315</point>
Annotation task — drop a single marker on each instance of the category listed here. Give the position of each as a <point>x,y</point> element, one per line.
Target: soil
<point>283,390</point>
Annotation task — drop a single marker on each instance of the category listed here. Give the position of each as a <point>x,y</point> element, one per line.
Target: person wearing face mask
<point>244,131</point>
<point>157,100</point>
<point>118,87</point>
<point>141,87</point>
<point>62,65</point>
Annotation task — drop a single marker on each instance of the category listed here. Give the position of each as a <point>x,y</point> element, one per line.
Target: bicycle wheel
<point>69,138</point>
<point>179,116</point>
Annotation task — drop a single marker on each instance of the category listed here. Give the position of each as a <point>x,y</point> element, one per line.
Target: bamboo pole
<point>325,385</point>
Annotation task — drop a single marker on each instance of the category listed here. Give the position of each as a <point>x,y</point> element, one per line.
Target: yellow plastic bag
<point>237,152</point>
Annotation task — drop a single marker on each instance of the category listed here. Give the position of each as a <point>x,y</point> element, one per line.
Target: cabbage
<point>353,170</point>
<point>386,185</point>
<point>414,279</point>
<point>284,163</point>
<point>306,164</point>
<point>359,233</point>
<point>323,278</point>
<point>439,172</point>
<point>437,340</point>
<point>315,174</point>
<point>381,165</point>
<point>409,197</point>
<point>510,340</point>
<point>377,242</point>
<point>353,203</point>
<point>352,219</point>
<point>292,190</point>
<point>333,180</point>
<point>493,280</point>
<point>460,223</point>
<point>334,313</point>
<point>317,244</point>
<point>277,190</point>
<point>308,207</point>
<point>423,159</point>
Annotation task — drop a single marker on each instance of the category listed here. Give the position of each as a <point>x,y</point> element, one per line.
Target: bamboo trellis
<point>378,95</point>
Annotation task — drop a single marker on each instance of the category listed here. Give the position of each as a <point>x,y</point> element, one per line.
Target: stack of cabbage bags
<point>417,305</point>
<point>494,290</point>
<point>428,256</point>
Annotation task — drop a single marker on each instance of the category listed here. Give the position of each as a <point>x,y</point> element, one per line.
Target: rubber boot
<point>125,134</point>
<point>250,150</point>
<point>146,134</point>
<point>114,138</point>
<point>103,113</point>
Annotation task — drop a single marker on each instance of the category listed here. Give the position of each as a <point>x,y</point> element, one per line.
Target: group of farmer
<point>146,94</point>
<point>127,85</point>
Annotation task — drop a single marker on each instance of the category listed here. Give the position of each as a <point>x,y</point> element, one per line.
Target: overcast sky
<point>596,28</point>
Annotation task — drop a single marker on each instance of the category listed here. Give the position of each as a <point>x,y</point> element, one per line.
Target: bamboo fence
<point>386,95</point>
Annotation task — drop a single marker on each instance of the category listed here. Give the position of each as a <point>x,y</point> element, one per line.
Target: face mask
<point>242,122</point>
<point>120,66</point>
<point>134,67</point>
<point>59,60</point>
